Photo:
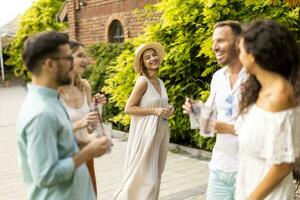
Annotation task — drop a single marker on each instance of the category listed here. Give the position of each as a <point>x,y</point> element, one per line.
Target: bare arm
<point>96,148</point>
<point>134,100</point>
<point>90,119</point>
<point>273,178</point>
<point>132,106</point>
<point>222,128</point>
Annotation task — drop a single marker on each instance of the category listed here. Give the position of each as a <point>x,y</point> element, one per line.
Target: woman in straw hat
<point>149,130</point>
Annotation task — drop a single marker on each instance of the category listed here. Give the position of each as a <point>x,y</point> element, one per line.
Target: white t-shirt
<point>226,101</point>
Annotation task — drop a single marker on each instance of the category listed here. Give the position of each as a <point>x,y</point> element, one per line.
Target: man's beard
<point>63,79</point>
<point>231,55</point>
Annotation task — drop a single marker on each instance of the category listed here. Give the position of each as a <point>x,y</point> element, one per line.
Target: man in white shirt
<point>224,96</point>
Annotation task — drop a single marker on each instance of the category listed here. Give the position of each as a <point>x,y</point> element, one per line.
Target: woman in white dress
<point>76,99</point>
<point>269,125</point>
<point>149,130</point>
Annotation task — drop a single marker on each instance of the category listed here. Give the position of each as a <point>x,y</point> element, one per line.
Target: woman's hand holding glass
<point>171,108</point>
<point>164,112</point>
<point>99,98</point>
<point>187,106</point>
<point>90,121</point>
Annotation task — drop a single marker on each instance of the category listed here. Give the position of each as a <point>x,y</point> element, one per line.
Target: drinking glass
<point>195,114</point>
<point>207,118</point>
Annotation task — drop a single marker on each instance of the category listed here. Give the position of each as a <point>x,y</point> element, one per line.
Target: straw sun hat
<point>137,65</point>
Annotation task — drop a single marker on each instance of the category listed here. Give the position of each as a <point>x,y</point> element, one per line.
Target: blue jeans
<point>221,185</point>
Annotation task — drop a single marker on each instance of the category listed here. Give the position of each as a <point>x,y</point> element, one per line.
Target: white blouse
<point>266,138</point>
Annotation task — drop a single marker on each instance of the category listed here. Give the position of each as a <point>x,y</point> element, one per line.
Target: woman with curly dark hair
<point>269,122</point>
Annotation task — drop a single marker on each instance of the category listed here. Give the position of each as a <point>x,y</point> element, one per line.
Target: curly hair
<point>275,50</point>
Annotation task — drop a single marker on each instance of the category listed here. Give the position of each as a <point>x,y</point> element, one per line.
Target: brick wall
<point>89,24</point>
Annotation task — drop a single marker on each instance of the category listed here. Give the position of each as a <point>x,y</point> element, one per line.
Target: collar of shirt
<point>227,98</point>
<point>241,78</point>
<point>44,91</point>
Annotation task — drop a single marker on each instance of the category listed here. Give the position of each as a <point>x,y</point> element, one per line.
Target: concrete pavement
<point>12,187</point>
<point>184,178</point>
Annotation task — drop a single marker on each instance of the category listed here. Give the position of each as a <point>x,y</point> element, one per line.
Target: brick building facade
<point>92,21</point>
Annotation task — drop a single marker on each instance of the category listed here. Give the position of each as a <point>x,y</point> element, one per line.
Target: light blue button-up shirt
<point>46,146</point>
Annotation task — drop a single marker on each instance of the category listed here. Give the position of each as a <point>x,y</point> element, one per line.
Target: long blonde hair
<point>80,83</point>
<point>74,45</point>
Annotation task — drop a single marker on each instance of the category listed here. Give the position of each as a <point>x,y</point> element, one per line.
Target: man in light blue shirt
<point>51,163</point>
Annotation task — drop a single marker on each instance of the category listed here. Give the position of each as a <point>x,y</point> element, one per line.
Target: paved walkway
<point>184,178</point>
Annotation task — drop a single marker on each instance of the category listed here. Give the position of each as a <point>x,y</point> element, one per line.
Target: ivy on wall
<point>39,17</point>
<point>185,30</point>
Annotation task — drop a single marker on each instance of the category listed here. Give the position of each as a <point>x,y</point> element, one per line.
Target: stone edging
<point>177,148</point>
<point>190,152</point>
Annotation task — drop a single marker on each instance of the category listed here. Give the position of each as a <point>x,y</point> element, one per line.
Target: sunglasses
<point>229,108</point>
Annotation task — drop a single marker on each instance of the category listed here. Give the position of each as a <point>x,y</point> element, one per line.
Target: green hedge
<point>39,17</point>
<point>105,56</point>
<point>185,30</point>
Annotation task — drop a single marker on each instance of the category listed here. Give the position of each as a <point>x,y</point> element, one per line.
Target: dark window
<point>116,33</point>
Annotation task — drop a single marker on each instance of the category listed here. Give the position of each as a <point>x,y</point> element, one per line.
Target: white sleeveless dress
<point>265,139</point>
<point>146,149</point>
